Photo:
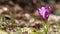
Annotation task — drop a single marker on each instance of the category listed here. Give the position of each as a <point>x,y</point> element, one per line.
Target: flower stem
<point>45,27</point>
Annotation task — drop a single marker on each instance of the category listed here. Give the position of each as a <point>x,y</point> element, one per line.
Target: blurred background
<point>21,16</point>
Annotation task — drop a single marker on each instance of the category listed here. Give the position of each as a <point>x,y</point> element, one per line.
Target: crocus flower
<point>44,12</point>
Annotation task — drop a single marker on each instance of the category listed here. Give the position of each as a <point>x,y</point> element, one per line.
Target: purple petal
<point>44,12</point>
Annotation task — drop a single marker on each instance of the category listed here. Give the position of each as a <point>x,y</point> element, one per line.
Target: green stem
<point>45,28</point>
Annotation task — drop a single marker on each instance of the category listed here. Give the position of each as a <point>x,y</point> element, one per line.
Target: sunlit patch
<point>5,9</point>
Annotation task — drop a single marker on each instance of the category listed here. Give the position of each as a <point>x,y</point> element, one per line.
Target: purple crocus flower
<point>44,12</point>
